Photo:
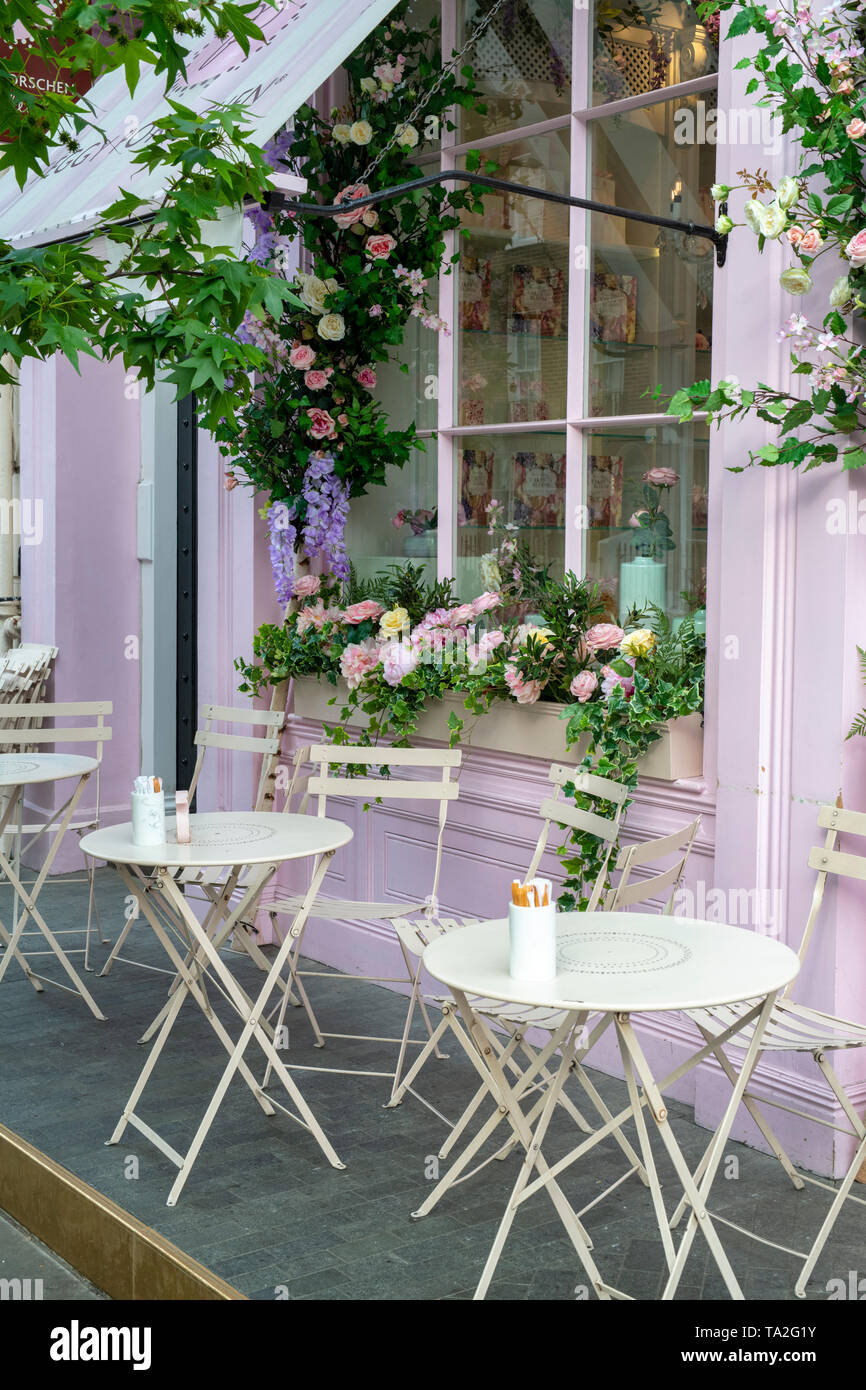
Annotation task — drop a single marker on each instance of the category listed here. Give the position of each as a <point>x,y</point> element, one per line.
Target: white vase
<point>420,546</point>
<point>642,581</point>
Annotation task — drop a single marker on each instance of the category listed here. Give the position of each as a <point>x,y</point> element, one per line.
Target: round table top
<point>220,838</point>
<point>620,962</point>
<point>19,769</point>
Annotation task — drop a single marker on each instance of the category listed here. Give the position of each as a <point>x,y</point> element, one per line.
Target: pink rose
<point>484,602</point>
<point>381,246</point>
<point>603,637</point>
<point>634,519</point>
<point>398,519</point>
<point>306,586</point>
<point>399,660</point>
<point>525,692</point>
<point>661,477</point>
<point>856,128</point>
<point>457,617</point>
<point>302,356</point>
<point>810,241</point>
<point>343,419</point>
<point>369,217</point>
<point>583,685</point>
<point>794,235</point>
<point>316,380</point>
<point>366,376</point>
<point>360,612</point>
<point>348,195</point>
<point>230,483</point>
<point>322,425</point>
<point>856,249</point>
<point>358,660</point>
<point>489,641</point>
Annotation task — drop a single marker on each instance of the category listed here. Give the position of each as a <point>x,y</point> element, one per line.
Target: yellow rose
<point>332,327</point>
<point>638,643</point>
<point>342,134</point>
<point>407,136</point>
<point>394,622</point>
<point>314,291</point>
<point>527,630</point>
<point>361,133</point>
<point>369,84</point>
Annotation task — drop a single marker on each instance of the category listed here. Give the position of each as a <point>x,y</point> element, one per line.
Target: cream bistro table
<point>613,964</point>
<point>251,845</point>
<point>17,771</point>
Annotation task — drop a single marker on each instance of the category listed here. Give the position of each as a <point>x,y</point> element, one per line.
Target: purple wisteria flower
<point>282,541</point>
<point>327,500</point>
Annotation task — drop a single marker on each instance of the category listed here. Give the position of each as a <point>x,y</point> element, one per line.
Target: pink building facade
<point>785,585</point>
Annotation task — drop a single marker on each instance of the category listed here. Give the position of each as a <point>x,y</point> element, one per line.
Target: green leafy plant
<point>811,69</point>
<point>858,727</point>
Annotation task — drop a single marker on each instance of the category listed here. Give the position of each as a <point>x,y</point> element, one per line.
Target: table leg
<point>31,910</point>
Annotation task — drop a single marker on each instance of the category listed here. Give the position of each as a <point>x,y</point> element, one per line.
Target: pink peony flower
<point>856,249</point>
<point>612,679</point>
<point>302,356</point>
<point>524,691</point>
<point>322,425</point>
<point>316,615</point>
<point>484,602</point>
<point>316,380</point>
<point>398,660</point>
<point>360,612</point>
<point>584,685</point>
<point>810,241</point>
<point>366,376</point>
<point>661,477</point>
<point>230,482</point>
<point>358,659</point>
<point>460,615</point>
<point>856,128</point>
<point>348,195</point>
<point>603,637</point>
<point>380,246</point>
<point>306,586</point>
<point>489,641</point>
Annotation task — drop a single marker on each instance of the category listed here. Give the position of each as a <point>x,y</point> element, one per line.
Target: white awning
<point>305,41</point>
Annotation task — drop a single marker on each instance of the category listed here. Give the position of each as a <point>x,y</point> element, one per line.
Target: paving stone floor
<point>264,1210</point>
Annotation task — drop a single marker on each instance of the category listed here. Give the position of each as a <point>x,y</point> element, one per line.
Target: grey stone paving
<point>30,1271</point>
<point>265,1211</point>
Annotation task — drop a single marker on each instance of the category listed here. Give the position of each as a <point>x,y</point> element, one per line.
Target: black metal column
<point>187,589</point>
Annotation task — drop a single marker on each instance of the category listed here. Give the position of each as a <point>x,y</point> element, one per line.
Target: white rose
<point>314,292</point>
<point>407,136</point>
<point>752,213</point>
<point>773,220</point>
<point>341,134</point>
<point>361,133</point>
<point>332,327</point>
<point>841,294</point>
<point>369,84</point>
<point>719,192</point>
<point>724,225</point>
<point>788,192</point>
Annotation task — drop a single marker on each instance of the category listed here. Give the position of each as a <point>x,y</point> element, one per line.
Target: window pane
<point>631,570</point>
<point>512,293</point>
<point>414,396</point>
<point>522,64</point>
<point>396,523</point>
<point>644,46</point>
<point>525,472</point>
<point>651,290</point>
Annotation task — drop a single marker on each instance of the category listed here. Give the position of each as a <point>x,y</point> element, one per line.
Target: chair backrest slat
<point>239,743</point>
<point>267,718</point>
<point>643,889</point>
<point>834,861</point>
<point>93,733</point>
<point>626,894</point>
<point>566,813</point>
<point>839,819</point>
<point>590,782</point>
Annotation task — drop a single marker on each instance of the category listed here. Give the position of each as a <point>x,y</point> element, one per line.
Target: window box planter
<point>535,731</point>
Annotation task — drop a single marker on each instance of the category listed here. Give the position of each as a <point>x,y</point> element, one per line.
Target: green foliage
<point>159,297</point>
<point>858,727</point>
<point>810,69</point>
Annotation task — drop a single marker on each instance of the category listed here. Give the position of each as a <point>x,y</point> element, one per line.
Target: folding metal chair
<point>324,782</point>
<point>211,885</point>
<point>796,1028</point>
<point>22,729</point>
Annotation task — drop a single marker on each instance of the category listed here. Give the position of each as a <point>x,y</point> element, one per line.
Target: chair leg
<point>830,1220</point>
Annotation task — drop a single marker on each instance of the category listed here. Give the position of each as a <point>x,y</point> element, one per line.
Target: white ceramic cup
<point>148,818</point>
<point>532,942</point>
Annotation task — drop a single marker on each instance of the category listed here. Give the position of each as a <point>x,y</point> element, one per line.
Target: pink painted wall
<point>80,455</point>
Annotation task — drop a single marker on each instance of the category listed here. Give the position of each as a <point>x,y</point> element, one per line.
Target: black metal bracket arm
<point>719,240</point>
